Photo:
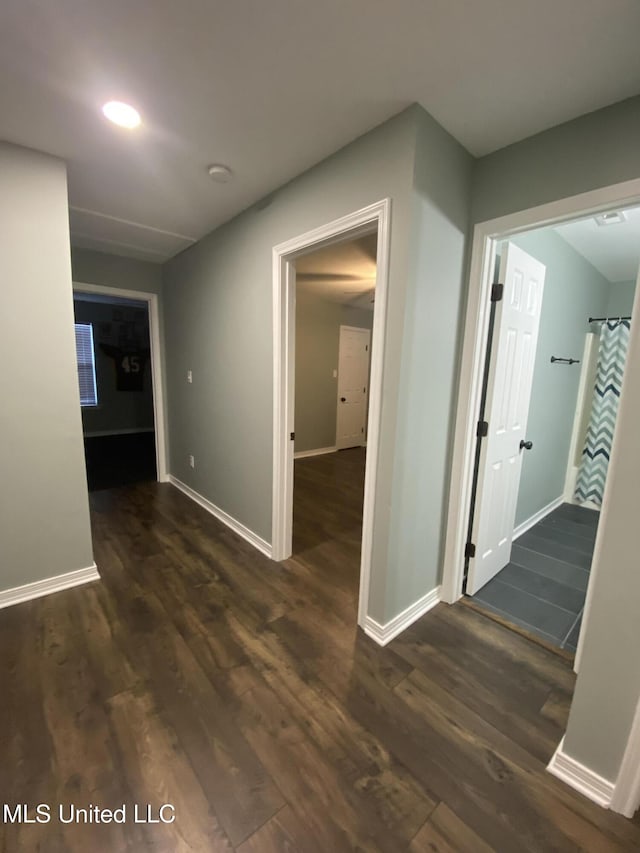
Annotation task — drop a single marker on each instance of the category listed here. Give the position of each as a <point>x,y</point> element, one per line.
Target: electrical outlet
<point>189,376</point>
<point>192,461</point>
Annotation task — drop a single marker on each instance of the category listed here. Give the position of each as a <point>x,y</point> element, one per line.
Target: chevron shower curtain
<point>612,352</point>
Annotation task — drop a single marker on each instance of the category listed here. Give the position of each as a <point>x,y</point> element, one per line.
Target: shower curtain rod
<point>606,319</point>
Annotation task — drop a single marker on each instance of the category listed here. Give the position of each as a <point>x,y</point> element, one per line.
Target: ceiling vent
<point>614,217</point>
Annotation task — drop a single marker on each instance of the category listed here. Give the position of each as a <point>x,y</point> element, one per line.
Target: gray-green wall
<point>608,687</point>
<point>218,305</point>
<point>318,324</point>
<point>44,519</point>
<point>573,291</point>
<point>620,300</point>
<point>91,267</point>
<point>218,311</point>
<point>593,151</point>
<point>427,382</point>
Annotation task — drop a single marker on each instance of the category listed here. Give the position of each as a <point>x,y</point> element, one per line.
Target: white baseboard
<point>302,454</point>
<point>37,589</point>
<point>626,796</point>
<point>538,516</point>
<point>383,634</point>
<point>223,516</point>
<point>581,778</point>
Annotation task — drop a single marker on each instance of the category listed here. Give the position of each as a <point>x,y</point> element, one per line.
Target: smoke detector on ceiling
<point>219,173</point>
<point>614,217</point>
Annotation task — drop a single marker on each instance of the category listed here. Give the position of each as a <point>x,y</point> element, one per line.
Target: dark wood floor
<point>200,674</point>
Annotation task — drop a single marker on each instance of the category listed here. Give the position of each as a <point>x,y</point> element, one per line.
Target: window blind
<point>86,364</point>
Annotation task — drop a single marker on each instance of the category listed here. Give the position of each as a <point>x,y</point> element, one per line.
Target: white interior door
<point>508,393</point>
<point>353,379</point>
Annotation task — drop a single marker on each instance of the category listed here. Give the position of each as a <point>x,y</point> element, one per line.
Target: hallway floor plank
<point>199,673</point>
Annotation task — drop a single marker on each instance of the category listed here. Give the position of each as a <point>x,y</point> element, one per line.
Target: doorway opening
<point>120,389</point>
<point>305,269</point>
<point>555,340</point>
<point>334,314</point>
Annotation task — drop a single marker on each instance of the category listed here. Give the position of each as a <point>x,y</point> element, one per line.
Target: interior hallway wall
<point>92,267</point>
<point>608,686</point>
<point>428,379</point>
<point>44,521</point>
<point>593,151</point>
<point>218,298</point>
<point>218,304</point>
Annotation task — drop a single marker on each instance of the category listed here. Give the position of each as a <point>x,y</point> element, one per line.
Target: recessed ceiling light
<point>122,114</point>
<point>220,173</point>
<point>614,217</point>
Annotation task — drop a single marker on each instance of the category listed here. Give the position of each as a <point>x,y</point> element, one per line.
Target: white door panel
<point>353,379</point>
<point>508,394</point>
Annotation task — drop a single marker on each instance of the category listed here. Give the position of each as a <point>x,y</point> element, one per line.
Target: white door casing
<point>508,396</point>
<point>353,378</point>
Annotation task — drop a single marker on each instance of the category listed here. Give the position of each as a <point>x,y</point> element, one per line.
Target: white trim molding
<point>483,252</point>
<point>231,522</point>
<point>383,634</point>
<point>626,794</point>
<point>538,516</point>
<point>37,589</point>
<point>374,218</point>
<point>581,778</point>
<point>320,451</point>
<point>152,300</point>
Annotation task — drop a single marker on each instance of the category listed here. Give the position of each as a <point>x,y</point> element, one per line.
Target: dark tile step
<point>562,537</point>
<point>543,587</point>
<point>577,514</point>
<point>534,611</point>
<point>554,549</point>
<point>584,531</point>
<point>557,570</point>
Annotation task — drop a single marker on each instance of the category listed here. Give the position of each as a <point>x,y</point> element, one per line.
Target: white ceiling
<point>270,88</point>
<point>344,272</point>
<point>614,250</point>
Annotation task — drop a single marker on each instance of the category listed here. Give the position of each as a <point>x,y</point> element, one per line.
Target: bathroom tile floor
<point>544,586</point>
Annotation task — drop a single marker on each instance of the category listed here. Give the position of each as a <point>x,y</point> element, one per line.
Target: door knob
<point>526,445</point>
<point>343,399</point>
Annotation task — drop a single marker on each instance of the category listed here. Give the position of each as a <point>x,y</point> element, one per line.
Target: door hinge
<point>469,550</point>
<point>497,292</point>
<point>292,436</point>
<point>482,430</point>
<point>366,348</point>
